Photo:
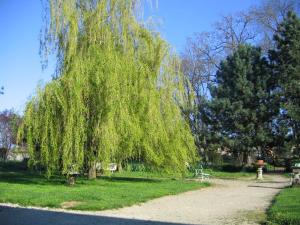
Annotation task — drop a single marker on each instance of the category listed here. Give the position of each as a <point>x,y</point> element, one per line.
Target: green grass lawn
<point>285,209</point>
<point>121,189</point>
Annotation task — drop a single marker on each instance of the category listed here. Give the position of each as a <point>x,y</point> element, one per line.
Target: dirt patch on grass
<point>70,204</point>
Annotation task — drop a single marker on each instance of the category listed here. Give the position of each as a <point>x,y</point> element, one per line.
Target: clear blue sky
<point>21,20</point>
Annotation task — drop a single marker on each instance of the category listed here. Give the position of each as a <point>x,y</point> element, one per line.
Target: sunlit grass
<point>286,208</point>
<point>121,189</point>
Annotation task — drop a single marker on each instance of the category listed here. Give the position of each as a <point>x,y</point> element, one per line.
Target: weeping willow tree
<point>116,95</point>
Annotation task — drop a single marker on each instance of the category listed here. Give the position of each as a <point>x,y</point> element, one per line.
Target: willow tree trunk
<point>92,171</point>
<point>120,168</point>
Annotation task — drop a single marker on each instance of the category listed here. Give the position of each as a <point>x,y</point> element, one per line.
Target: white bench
<point>112,167</point>
<point>199,173</point>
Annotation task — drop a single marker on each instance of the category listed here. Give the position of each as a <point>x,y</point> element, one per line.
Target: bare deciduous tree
<point>233,30</point>
<point>204,51</point>
<point>9,123</point>
<point>257,25</point>
<point>268,15</point>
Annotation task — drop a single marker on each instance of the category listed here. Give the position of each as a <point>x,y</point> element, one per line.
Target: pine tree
<point>242,106</point>
<point>116,96</point>
<point>285,60</point>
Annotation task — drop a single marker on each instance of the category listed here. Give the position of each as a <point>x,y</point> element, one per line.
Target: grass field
<point>124,189</point>
<point>285,209</point>
<point>22,187</point>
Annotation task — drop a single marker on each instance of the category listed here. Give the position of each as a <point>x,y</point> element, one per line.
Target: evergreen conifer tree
<point>242,102</point>
<point>285,60</point>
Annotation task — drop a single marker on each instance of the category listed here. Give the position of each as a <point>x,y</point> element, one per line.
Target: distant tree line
<point>244,81</point>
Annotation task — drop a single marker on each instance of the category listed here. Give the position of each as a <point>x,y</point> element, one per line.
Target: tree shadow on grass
<point>33,178</point>
<point>27,216</point>
<point>131,179</point>
<point>17,173</point>
<point>29,178</point>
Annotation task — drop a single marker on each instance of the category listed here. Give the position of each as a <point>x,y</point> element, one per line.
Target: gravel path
<point>240,202</point>
<point>228,202</point>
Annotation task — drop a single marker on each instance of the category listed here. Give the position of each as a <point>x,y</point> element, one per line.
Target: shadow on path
<point>272,182</point>
<point>23,216</point>
<point>260,186</point>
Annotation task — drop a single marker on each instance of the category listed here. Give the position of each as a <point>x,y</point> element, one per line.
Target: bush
<point>136,167</point>
<point>13,165</point>
<point>233,168</point>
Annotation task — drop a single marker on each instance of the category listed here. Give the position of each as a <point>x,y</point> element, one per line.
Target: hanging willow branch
<point>116,95</point>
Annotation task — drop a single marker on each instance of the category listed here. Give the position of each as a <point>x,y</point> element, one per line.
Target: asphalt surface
<point>24,216</point>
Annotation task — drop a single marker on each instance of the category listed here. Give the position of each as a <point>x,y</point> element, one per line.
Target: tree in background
<point>242,106</point>
<point>285,60</point>
<point>266,18</point>
<point>9,124</point>
<point>204,52</point>
<point>115,97</point>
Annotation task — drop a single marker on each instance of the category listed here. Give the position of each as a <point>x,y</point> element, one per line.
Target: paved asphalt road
<point>23,216</point>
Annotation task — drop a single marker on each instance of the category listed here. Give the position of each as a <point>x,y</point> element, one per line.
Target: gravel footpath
<point>231,202</point>
<point>227,202</point>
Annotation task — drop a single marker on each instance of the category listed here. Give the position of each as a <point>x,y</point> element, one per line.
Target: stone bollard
<point>259,173</point>
<point>296,179</point>
<point>296,175</point>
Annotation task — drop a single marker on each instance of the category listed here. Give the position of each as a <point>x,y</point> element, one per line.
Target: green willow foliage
<point>117,95</point>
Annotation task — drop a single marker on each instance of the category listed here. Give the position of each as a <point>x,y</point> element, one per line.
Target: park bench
<point>199,173</point>
<point>112,167</point>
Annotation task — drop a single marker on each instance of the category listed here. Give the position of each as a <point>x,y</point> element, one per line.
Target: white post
<point>259,173</point>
